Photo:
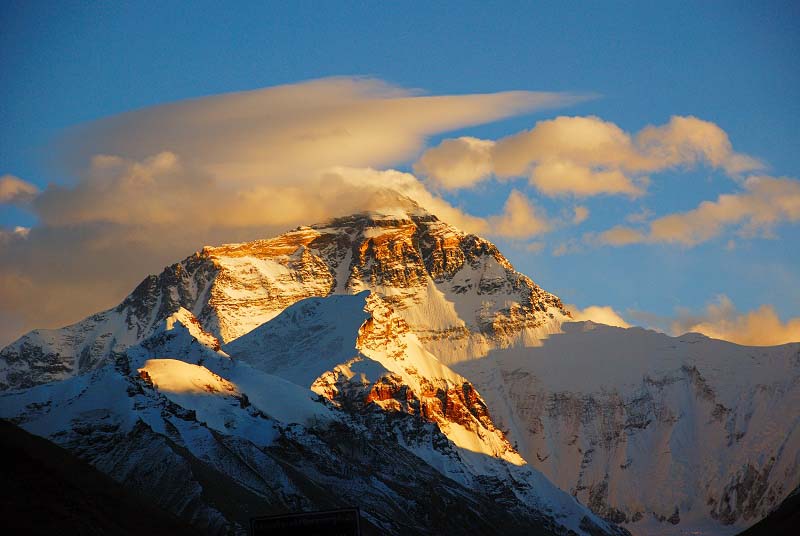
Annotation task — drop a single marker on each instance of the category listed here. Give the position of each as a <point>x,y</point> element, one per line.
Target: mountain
<point>351,410</point>
<point>661,434</point>
<point>54,492</point>
<point>455,291</point>
<point>783,521</point>
<point>391,361</point>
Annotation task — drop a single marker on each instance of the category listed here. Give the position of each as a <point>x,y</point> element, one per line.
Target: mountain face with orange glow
<point>456,291</point>
<point>390,361</point>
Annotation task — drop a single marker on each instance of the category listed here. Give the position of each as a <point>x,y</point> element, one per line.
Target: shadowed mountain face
<point>783,521</point>
<point>389,361</point>
<point>54,492</point>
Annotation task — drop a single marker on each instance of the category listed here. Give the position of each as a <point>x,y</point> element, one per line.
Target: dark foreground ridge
<point>783,521</point>
<point>48,490</point>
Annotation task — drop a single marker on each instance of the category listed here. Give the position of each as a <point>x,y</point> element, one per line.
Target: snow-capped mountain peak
<point>391,339</point>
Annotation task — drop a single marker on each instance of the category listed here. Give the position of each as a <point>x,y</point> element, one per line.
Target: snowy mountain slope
<point>216,439</point>
<point>456,292</point>
<point>381,364</point>
<point>662,434</point>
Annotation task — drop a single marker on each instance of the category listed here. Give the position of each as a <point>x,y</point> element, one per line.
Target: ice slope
<point>663,434</point>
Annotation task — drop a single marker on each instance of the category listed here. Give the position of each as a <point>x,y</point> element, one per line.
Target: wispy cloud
<point>580,214</point>
<point>287,133</point>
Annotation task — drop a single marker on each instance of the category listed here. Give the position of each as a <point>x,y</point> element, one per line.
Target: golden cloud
<point>721,320</point>
<point>600,314</point>
<point>15,191</point>
<point>584,156</point>
<point>520,219</point>
<point>580,214</point>
<point>766,202</point>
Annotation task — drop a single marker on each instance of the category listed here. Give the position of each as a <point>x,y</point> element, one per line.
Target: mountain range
<point>389,361</point>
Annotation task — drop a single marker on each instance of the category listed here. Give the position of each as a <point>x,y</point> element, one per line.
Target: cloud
<point>534,247</point>
<point>580,214</point>
<point>601,314</point>
<point>563,177</point>
<point>584,156</point>
<point>620,236</point>
<point>457,163</point>
<point>640,217</point>
<point>721,320</point>
<point>287,133</point>
<point>689,140</point>
<point>152,186</point>
<point>520,219</point>
<point>15,191</point>
<point>765,202</point>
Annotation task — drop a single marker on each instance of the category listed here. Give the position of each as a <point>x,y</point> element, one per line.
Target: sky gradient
<point>732,65</point>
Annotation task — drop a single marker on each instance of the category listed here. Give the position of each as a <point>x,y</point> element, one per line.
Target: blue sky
<point>736,64</point>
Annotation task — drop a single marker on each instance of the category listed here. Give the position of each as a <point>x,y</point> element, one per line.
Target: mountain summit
<point>390,361</point>
<point>456,291</point>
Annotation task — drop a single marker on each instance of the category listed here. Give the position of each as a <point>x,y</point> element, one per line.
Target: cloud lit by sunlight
<point>287,133</point>
<point>600,314</point>
<point>765,203</point>
<point>584,156</point>
<point>721,320</point>
<point>15,191</point>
